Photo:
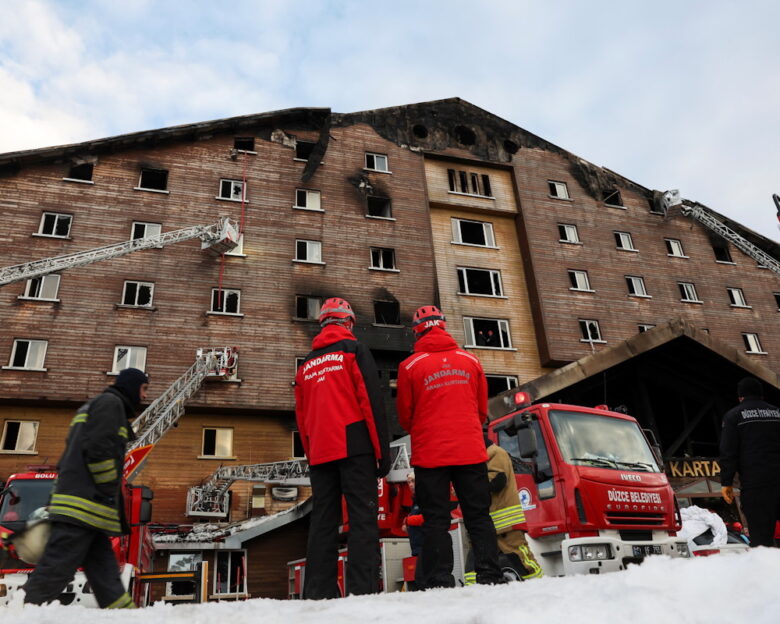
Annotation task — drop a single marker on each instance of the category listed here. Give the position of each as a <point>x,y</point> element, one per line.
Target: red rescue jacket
<point>338,401</point>
<point>442,402</point>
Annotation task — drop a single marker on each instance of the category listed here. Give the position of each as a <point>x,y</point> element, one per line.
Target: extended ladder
<point>164,412</point>
<point>218,238</point>
<point>211,498</point>
<point>703,216</point>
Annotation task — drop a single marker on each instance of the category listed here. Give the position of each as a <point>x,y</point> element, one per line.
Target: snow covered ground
<point>733,589</point>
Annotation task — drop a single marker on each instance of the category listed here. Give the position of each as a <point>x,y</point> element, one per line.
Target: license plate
<point>645,550</point>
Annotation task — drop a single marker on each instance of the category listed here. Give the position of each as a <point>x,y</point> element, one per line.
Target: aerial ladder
<point>217,238</point>
<point>696,211</point>
<point>211,498</point>
<point>166,410</point>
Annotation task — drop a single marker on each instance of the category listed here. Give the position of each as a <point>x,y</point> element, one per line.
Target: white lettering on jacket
<point>328,357</point>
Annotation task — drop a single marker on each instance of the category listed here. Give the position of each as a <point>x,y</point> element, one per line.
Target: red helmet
<point>427,317</point>
<point>336,310</point>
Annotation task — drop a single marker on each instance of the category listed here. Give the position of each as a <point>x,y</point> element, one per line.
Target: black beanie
<point>129,382</point>
<point>750,387</point>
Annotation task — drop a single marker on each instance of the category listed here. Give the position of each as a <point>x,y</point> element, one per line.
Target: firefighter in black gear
<point>750,446</point>
<point>86,505</point>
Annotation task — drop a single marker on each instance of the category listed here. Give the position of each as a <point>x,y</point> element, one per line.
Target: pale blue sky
<point>670,94</point>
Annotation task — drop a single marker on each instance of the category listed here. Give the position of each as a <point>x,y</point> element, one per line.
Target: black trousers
<point>355,478</point>
<point>761,507</point>
<point>432,489</point>
<point>70,547</point>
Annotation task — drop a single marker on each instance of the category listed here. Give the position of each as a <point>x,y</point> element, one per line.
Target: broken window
<point>479,282</point>
<point>484,332</point>
<point>233,190</point>
<point>722,253</point>
<point>579,280</point>
<point>230,573</point>
<point>128,357</point>
<point>307,200</point>
<point>559,190</point>
<point>308,251</point>
<point>465,135</point>
<point>44,287</point>
<point>225,301</point>
<point>674,248</point>
<point>688,292</point>
<point>82,172</point>
<point>307,307</point>
<point>19,436</point>
<point>469,183</point>
<point>500,383</point>
<point>383,258</point>
<point>624,241</point>
<point>643,327</point>
<point>153,180</point>
<point>138,294</point>
<point>182,562</point>
<point>376,162</point>
<point>28,354</point>
<point>379,207</point>
<point>612,198</point>
<point>55,224</point>
<point>590,331</point>
<point>737,297</point>
<point>752,343</point>
<point>217,442</point>
<point>777,299</point>
<point>387,313</point>
<point>567,233</point>
<point>636,286</point>
<point>303,149</point>
<point>477,233</point>
<point>142,229</point>
<point>244,144</point>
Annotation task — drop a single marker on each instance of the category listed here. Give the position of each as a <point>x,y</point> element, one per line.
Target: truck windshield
<point>595,440</point>
<point>24,496</point>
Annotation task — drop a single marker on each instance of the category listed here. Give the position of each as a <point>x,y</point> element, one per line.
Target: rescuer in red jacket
<point>442,403</point>
<point>341,420</point>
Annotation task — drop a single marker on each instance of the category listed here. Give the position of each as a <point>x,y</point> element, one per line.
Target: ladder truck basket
<point>225,363</point>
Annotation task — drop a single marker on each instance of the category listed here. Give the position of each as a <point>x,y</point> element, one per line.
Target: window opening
<point>382,258</point>
<point>153,179</point>
<point>308,251</point>
<point>500,383</point>
<point>387,313</point>
<point>636,286</point>
<point>674,248</point>
<point>244,144</point>
<point>568,233</point>
<point>309,200</point>
<point>55,224</point>
<point>29,354</point>
<point>129,357</point>
<point>44,287</point>
<point>232,189</point>
<point>469,183</point>
<point>138,294</point>
<point>737,297</point>
<point>559,190</point>
<point>612,198</point>
<point>297,445</point>
<point>688,292</point>
<point>19,435</point>
<point>643,327</point>
<point>579,280</point>
<point>225,301</point>
<point>377,162</point>
<point>217,442</point>
<point>379,207</point>
<point>479,282</point>
<point>590,331</point>
<point>722,253</point>
<point>82,171</point>
<point>624,241</point>
<point>303,149</point>
<point>482,332</point>
<point>183,562</point>
<point>142,229</point>
<point>473,233</point>
<point>307,307</point>
<point>752,343</point>
<point>777,299</point>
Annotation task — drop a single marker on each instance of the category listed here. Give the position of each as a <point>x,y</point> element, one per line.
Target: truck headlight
<point>590,552</point>
<point>682,548</point>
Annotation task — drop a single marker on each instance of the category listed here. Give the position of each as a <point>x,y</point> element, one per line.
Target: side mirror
<point>526,442</point>
<point>145,512</point>
<point>654,447</point>
<point>517,423</point>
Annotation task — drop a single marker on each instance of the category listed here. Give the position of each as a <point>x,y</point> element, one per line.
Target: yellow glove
<point>727,492</point>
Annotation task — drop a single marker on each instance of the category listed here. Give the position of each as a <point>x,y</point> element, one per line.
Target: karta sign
<point>689,467</point>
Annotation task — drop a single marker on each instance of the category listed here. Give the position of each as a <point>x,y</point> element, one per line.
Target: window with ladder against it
<point>500,383</point>
<point>469,183</point>
<point>128,357</point>
<point>55,224</point>
<point>737,298</point>
<point>225,301</point>
<point>752,343</point>
<point>636,286</point>
<point>306,199</point>
<point>234,190</point>
<point>486,282</point>
<point>477,233</point>
<point>688,292</point>
<point>567,233</point>
<point>43,288</point>
<point>487,333</point>
<point>19,436</point>
<point>624,241</point>
<point>308,251</point>
<point>383,258</point>
<point>307,307</point>
<point>142,229</point>
<point>138,294</point>
<point>578,280</point>
<point>558,190</point>
<point>28,354</point>
<point>612,198</point>
<point>590,331</point>
<point>376,162</point>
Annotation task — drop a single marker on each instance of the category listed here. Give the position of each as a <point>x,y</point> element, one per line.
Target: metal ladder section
<point>211,498</point>
<point>703,216</point>
<point>164,412</point>
<point>218,238</point>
